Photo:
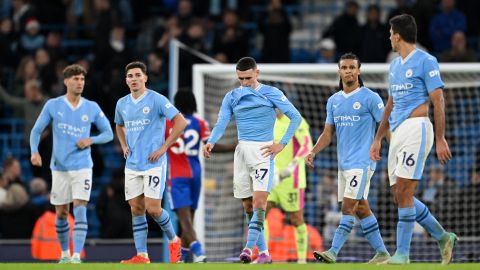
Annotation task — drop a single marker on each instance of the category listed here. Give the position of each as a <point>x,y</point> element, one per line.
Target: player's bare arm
<point>442,149</point>
<point>36,159</point>
<point>179,124</point>
<point>84,143</point>
<point>272,149</point>
<point>122,139</point>
<point>323,141</point>
<point>382,131</point>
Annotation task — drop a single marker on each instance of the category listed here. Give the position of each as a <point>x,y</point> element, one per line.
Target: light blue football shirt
<point>144,121</point>
<point>354,116</point>
<point>69,125</point>
<point>254,112</point>
<point>411,80</point>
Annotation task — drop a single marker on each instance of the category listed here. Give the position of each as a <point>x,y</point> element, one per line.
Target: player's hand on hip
<point>207,148</point>
<point>126,152</point>
<point>443,151</point>
<point>84,143</point>
<point>156,155</point>
<point>36,159</point>
<point>375,150</point>
<point>272,149</point>
<point>309,159</point>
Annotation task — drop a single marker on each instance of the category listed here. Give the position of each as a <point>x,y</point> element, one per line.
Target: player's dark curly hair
<point>136,64</point>
<point>351,56</point>
<point>185,101</point>
<point>73,70</point>
<point>246,63</point>
<point>405,26</point>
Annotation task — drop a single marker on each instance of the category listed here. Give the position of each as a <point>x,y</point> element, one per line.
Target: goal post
<point>220,223</point>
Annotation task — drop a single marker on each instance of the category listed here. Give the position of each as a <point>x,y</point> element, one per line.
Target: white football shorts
<point>410,145</point>
<point>252,172</point>
<point>150,183</point>
<point>71,185</point>
<point>354,184</point>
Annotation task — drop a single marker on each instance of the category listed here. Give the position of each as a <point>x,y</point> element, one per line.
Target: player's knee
<point>348,208</point>
<point>137,209</point>
<point>247,205</point>
<point>62,214</point>
<point>154,211</point>
<point>363,211</point>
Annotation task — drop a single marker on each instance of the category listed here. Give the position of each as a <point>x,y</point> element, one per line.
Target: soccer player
<point>71,116</point>
<point>288,193</point>
<point>253,106</point>
<point>414,77</point>
<point>353,112</point>
<point>140,125</point>
<point>186,173</point>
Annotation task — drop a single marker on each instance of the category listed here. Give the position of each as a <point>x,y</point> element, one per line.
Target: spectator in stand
<point>32,38</point>
<point>21,11</point>
<point>345,30</point>
<point>39,196</point>
<point>424,11</point>
<point>184,14</point>
<point>448,21</point>
<point>231,39</point>
<point>163,35</point>
<point>326,48</point>
<point>193,38</point>
<point>7,45</point>
<point>30,105</point>
<point>374,44</point>
<point>26,70</point>
<point>114,52</point>
<point>459,51</point>
<point>275,27</point>
<point>16,219</point>
<point>470,9</point>
<point>53,46</point>
<point>46,69</point>
<point>156,76</point>
<point>403,7</point>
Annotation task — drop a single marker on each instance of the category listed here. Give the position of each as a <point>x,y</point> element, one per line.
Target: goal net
<point>451,191</point>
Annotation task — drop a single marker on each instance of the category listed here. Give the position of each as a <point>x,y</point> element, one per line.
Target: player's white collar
<point>257,88</point>
<point>403,61</point>
<point>351,93</point>
<point>139,98</point>
<point>70,104</point>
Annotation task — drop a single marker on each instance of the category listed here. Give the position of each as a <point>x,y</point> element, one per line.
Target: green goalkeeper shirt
<point>296,149</point>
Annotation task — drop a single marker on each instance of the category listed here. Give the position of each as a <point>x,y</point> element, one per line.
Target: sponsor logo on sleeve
<point>434,73</point>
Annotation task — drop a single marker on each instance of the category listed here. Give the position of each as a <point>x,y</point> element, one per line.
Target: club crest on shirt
<point>84,118</point>
<point>146,110</point>
<point>409,73</point>
<point>357,105</point>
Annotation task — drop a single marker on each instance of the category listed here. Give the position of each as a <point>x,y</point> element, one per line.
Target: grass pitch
<point>221,266</point>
